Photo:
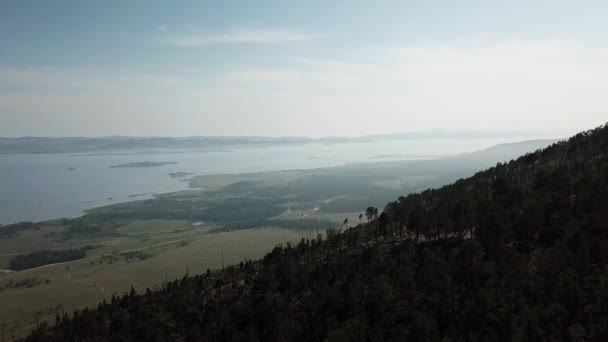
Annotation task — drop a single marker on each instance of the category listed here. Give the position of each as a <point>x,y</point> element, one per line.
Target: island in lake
<point>180,174</point>
<point>144,164</point>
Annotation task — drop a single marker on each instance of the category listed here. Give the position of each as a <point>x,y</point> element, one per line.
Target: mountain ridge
<point>515,252</point>
<point>122,143</point>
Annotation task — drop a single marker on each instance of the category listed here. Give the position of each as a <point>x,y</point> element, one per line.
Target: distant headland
<point>144,164</point>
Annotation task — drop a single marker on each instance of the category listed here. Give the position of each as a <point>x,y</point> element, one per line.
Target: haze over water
<point>37,187</point>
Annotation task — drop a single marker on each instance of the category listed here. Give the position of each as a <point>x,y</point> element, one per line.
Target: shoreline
<point>307,162</point>
<point>183,185</point>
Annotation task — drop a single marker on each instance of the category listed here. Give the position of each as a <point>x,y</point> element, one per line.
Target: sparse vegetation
<point>25,282</point>
<point>139,255</point>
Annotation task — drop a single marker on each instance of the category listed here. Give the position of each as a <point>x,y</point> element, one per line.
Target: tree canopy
<point>515,252</point>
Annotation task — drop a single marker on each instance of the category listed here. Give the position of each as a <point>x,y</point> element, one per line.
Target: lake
<point>36,187</point>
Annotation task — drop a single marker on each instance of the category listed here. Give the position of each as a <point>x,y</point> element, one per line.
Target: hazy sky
<point>311,68</point>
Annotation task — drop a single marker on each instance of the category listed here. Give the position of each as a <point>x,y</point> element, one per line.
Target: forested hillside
<point>518,252</point>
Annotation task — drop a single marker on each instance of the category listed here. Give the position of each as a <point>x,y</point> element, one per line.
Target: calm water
<point>35,187</point>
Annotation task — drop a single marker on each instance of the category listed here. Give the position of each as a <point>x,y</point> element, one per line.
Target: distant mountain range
<point>211,143</point>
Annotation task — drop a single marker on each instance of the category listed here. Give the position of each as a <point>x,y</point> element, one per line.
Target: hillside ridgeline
<point>515,252</point>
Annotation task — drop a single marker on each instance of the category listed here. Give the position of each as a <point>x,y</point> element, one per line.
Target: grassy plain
<point>106,271</point>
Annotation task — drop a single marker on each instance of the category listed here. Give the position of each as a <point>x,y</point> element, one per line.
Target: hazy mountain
<point>143,144</point>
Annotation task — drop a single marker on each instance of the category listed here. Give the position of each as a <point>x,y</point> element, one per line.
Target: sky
<point>300,68</point>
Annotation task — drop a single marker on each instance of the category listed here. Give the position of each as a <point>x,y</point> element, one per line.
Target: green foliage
<point>11,230</point>
<point>518,252</point>
<point>45,257</point>
<point>75,229</point>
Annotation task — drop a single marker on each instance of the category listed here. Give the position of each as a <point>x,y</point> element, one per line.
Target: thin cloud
<point>493,84</point>
<point>512,84</point>
<point>193,37</point>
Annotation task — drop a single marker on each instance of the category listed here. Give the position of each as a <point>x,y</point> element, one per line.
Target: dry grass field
<point>169,250</point>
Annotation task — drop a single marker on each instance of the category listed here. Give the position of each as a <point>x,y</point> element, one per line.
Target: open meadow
<point>118,263</point>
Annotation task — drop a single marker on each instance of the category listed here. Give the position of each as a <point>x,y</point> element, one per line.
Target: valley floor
<point>114,268</point>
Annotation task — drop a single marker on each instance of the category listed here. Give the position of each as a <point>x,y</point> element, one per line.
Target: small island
<point>180,174</point>
<point>144,164</point>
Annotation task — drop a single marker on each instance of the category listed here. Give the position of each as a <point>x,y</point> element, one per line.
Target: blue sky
<point>309,68</point>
